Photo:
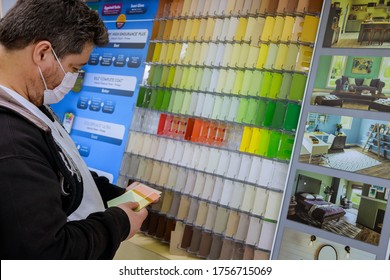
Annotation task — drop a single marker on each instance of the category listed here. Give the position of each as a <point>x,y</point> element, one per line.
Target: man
<point>51,206</point>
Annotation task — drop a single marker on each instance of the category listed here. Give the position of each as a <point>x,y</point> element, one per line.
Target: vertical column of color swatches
<point>215,121</point>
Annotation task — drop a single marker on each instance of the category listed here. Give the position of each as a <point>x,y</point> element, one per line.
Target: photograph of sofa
<point>353,82</point>
<point>374,86</point>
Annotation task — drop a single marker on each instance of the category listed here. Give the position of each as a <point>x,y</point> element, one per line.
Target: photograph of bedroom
<point>346,143</point>
<point>353,82</point>
<point>352,209</point>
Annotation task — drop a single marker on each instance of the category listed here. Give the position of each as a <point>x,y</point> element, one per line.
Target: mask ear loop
<point>55,55</point>
<point>43,79</point>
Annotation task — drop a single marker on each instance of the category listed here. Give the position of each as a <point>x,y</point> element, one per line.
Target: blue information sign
<point>98,113</point>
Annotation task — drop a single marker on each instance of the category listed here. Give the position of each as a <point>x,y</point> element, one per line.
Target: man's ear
<point>42,52</point>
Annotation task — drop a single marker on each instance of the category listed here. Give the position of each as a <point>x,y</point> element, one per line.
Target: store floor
<point>142,247</point>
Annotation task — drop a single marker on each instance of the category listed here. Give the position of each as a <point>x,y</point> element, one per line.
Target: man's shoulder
<point>18,134</point>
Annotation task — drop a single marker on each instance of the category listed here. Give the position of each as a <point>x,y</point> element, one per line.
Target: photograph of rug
<point>350,161</point>
<point>342,227</point>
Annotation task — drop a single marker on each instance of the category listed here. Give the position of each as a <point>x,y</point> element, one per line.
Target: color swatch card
<point>142,194</point>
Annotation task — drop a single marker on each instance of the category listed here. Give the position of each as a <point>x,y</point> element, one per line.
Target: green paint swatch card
<point>164,76</point>
<point>264,142</point>
<point>266,84</point>
<point>257,78</point>
<point>186,103</point>
<point>141,97</point>
<point>251,112</point>
<point>159,99</point>
<point>261,112</point>
<point>273,146</point>
<point>271,57</point>
<point>243,108</point>
<point>171,76</point>
<point>166,100</point>
<point>246,83</point>
<point>270,112</point>
<point>184,78</point>
<point>198,79</point>
<point>238,82</point>
<point>178,103</point>
<point>285,86</point>
<point>286,146</point>
<point>292,116</point>
<point>298,84</point>
<point>178,76</point>
<point>276,83</point>
<point>280,111</point>
<point>190,83</point>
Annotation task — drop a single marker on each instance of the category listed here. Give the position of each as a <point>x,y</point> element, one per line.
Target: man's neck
<point>13,70</point>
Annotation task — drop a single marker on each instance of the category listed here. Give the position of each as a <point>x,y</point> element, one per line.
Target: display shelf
<point>329,31</point>
<point>143,247</point>
<point>175,165</point>
<point>378,142</point>
<point>285,100</point>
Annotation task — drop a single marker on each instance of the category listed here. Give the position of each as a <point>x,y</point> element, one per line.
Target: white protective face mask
<point>52,96</point>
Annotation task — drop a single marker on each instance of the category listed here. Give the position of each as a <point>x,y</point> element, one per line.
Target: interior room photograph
<point>353,82</point>
<point>358,24</point>
<point>346,143</point>
<point>303,246</point>
<point>352,209</point>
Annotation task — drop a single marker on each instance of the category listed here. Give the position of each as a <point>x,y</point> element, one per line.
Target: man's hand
<point>136,218</point>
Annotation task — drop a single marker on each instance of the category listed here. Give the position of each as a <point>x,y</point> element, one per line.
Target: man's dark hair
<point>67,24</point>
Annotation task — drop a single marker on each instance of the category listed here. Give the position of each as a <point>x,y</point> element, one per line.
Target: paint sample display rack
<point>216,120</point>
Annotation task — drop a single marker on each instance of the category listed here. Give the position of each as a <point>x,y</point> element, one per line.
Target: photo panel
<point>362,24</point>
<point>347,143</point>
<point>297,245</point>
<point>353,82</point>
<point>352,209</point>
